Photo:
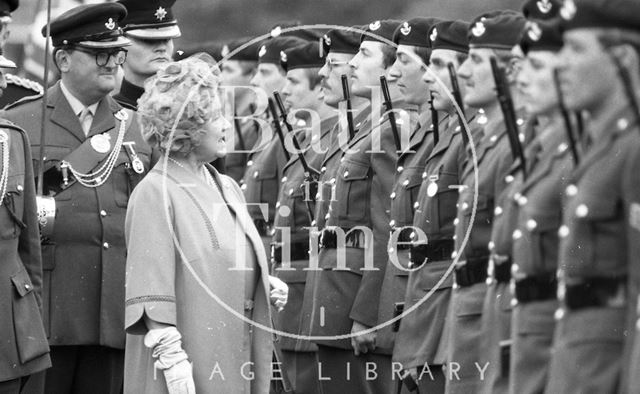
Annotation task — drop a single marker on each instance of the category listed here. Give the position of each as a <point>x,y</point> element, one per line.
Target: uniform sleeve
<point>29,242</point>
<point>504,163</point>
<point>151,258</point>
<point>383,164</point>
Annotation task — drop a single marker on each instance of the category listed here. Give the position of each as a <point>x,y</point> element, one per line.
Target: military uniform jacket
<point>364,180</point>
<point>24,349</point>
<point>421,332</point>
<point>292,200</point>
<point>261,181</point>
<point>19,88</point>
<point>246,135</point>
<point>408,178</point>
<point>84,260</point>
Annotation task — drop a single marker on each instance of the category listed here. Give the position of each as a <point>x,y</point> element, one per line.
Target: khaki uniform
<point>246,133</point>
<point>595,241</point>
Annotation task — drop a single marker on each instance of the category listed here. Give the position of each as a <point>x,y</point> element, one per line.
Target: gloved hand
<point>279,292</point>
<point>172,360</point>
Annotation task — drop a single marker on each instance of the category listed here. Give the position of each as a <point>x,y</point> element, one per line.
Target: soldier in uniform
<point>420,342</point>
<point>17,87</point>
<point>24,350</point>
<point>261,181</point>
<point>294,210</point>
<point>412,55</point>
<point>600,218</point>
<point>95,155</point>
<point>490,35</point>
<point>151,28</point>
<point>353,257</point>
<point>237,69</point>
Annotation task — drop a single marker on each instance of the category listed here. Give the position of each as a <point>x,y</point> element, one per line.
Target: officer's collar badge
<point>160,13</point>
<point>405,29</point>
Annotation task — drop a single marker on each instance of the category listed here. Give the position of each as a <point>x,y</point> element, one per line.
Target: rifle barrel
<point>347,98</point>
<point>392,116</point>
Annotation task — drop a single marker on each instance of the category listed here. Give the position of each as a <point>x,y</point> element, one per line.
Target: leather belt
<point>440,250</point>
<point>499,268</point>
<point>404,237</point>
<point>595,292</point>
<point>471,271</point>
<point>263,227</point>
<point>543,287</point>
<point>297,251</point>
<point>353,239</point>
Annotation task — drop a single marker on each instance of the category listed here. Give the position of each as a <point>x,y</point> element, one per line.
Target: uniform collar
<point>130,92</point>
<point>76,105</point>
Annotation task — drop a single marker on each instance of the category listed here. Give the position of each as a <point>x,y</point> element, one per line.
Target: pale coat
<point>174,281</point>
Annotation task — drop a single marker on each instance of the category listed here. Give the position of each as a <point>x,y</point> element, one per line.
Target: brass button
<point>103,213</point>
<point>346,174</point>
<point>416,205</point>
<point>517,234</point>
<point>392,195</point>
<point>582,211</point>
<point>571,190</point>
<point>20,188</point>
<point>27,286</point>
<point>531,224</point>
<point>497,211</point>
<point>563,231</point>
<point>405,183</point>
<point>400,169</point>
<point>284,179</point>
<point>105,245</point>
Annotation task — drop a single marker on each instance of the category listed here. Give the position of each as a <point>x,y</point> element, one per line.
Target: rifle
<point>311,176</point>
<point>434,122</point>
<point>274,115</point>
<point>566,118</point>
<point>506,104</point>
<point>392,116</point>
<point>455,89</point>
<point>347,98</point>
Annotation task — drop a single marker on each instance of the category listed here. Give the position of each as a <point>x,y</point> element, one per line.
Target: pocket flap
<point>544,223</point>
<point>22,283</point>
<point>266,172</point>
<point>598,209</point>
<point>352,171</point>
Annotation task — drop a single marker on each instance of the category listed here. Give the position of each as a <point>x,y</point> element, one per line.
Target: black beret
<point>542,36</point>
<point>302,56</point>
<point>270,50</point>
<point>150,19</point>
<point>415,32</point>
<point>384,29</point>
<point>622,14</point>
<point>8,6</point>
<point>248,53</point>
<point>345,40</point>
<point>541,9</point>
<point>496,30</point>
<point>213,48</point>
<point>450,35</point>
<point>291,29</point>
<point>89,25</point>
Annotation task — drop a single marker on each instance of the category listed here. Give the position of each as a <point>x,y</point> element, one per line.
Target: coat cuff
<point>159,308</point>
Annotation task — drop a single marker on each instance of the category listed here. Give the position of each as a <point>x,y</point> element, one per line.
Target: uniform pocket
<point>543,231</point>
<point>355,187</point>
<point>31,341</point>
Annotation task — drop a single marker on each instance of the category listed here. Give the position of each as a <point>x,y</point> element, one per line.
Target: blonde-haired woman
<point>196,271</point>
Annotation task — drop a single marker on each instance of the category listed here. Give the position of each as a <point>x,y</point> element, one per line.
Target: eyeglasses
<point>102,57</point>
<point>331,63</point>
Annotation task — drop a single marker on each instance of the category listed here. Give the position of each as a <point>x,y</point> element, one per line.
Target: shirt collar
<point>76,105</point>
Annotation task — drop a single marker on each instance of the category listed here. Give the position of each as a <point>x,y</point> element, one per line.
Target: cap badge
<point>534,32</point>
<point>544,6</point>
<point>434,34</point>
<point>276,31</point>
<point>478,29</point>
<point>373,26</point>
<point>110,24</point>
<point>283,57</point>
<point>405,29</point>
<point>327,40</point>
<point>568,10</point>
<point>225,50</point>
<point>160,13</point>
<point>263,51</point>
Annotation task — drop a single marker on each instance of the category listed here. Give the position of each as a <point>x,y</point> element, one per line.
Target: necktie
<point>85,118</point>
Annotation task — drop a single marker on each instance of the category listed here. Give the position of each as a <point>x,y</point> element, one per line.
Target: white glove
<point>279,292</point>
<point>172,360</point>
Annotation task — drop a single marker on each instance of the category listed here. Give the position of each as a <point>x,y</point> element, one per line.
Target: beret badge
<point>160,14</point>
<point>327,40</point>
<point>263,51</point>
<point>478,29</point>
<point>405,29</point>
<point>434,34</point>
<point>283,57</point>
<point>534,32</point>
<point>276,31</point>
<point>373,26</point>
<point>110,24</point>
<point>568,10</point>
<point>225,50</point>
<point>544,6</point>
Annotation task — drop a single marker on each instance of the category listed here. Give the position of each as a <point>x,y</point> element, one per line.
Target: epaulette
<point>24,100</point>
<point>24,82</point>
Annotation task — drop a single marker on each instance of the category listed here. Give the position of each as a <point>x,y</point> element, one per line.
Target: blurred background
<point>215,21</point>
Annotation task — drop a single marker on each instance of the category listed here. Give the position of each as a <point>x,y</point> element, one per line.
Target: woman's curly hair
<point>181,96</point>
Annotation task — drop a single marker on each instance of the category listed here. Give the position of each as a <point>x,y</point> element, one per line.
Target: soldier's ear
<point>62,60</point>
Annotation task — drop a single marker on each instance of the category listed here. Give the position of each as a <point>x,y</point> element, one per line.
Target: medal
<point>136,163</point>
<point>432,189</point>
<point>101,143</point>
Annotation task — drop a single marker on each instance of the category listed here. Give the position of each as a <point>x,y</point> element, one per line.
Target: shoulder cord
<point>4,171</point>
